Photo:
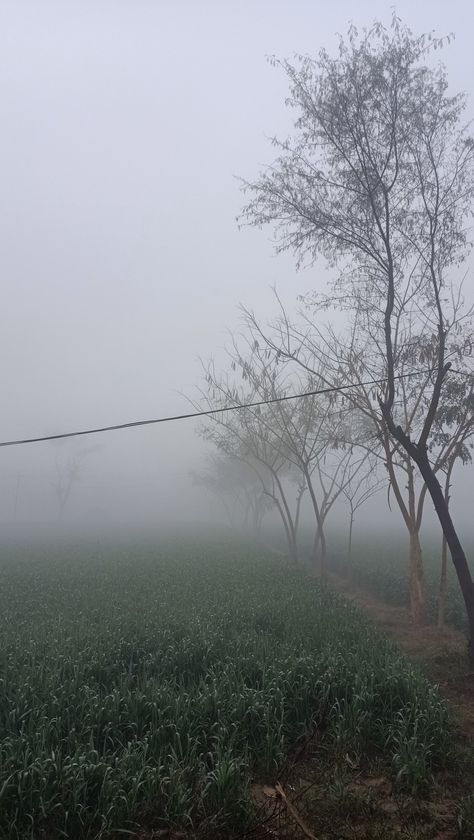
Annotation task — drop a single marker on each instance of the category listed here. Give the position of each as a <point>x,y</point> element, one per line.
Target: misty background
<point>124,128</point>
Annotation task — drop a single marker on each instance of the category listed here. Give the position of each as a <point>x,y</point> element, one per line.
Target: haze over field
<point>260,624</point>
<point>123,128</point>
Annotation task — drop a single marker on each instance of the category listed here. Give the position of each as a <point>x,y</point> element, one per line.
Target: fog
<point>125,126</point>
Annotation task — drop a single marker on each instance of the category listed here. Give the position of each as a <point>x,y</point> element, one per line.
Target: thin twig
<point>294,813</point>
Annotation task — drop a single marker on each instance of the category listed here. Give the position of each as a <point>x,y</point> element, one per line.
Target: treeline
<point>324,447</point>
<point>377,178</point>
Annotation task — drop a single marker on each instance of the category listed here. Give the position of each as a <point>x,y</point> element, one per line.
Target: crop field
<point>147,688</point>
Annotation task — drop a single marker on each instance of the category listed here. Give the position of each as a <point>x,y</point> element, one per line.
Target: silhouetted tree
<point>379,179</point>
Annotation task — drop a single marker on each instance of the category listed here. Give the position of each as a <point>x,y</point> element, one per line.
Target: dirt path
<point>441,655</point>
<point>336,802</point>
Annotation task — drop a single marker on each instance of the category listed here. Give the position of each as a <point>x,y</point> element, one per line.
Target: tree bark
<point>320,551</point>
<point>443,583</point>
<point>419,453</point>
<point>297,514</point>
<point>416,578</point>
<point>443,579</point>
<point>288,520</point>
<point>458,556</point>
<point>349,549</point>
<point>412,520</point>
<point>290,537</point>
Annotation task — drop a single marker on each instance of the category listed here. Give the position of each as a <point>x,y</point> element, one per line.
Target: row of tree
<point>377,178</point>
<point>328,447</point>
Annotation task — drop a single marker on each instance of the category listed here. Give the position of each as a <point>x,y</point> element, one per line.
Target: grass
<point>152,687</point>
<point>382,569</point>
<point>466,818</point>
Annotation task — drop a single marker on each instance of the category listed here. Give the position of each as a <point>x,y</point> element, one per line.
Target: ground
<point>236,676</point>
<point>345,800</point>
<point>441,654</point>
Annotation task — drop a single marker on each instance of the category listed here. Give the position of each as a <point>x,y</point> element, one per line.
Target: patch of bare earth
<point>342,801</point>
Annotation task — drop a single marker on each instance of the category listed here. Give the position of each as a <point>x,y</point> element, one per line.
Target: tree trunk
<point>349,549</point>
<point>443,583</point>
<point>458,556</point>
<point>413,524</point>
<point>298,511</point>
<point>290,537</point>
<point>255,521</point>
<point>415,556</point>
<point>318,554</point>
<point>320,551</point>
<point>443,580</point>
<point>323,557</point>
<point>287,519</point>
<point>416,578</point>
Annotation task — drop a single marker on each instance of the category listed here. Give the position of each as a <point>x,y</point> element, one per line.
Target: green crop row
<point>149,687</point>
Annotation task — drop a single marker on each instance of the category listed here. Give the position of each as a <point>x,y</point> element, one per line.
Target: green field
<point>151,686</point>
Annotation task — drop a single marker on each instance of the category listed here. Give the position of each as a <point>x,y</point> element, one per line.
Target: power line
<point>209,412</point>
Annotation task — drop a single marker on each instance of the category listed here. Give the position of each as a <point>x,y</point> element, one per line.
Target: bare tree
<point>237,489</point>
<point>247,435</point>
<point>349,363</point>
<point>379,180</point>
<point>363,484</point>
<point>302,436</point>
<point>68,472</point>
<point>67,475</point>
<point>299,432</point>
<point>327,440</point>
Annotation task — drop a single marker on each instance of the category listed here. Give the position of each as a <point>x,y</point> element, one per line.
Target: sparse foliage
<point>378,179</point>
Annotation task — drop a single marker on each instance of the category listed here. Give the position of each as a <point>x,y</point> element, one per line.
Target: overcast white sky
<point>124,125</point>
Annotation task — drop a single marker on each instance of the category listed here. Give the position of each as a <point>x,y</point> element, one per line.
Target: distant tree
<point>364,482</point>
<point>67,475</point>
<point>349,361</point>
<point>379,180</point>
<point>300,439</point>
<point>246,435</point>
<point>68,472</point>
<point>300,430</point>
<point>237,488</point>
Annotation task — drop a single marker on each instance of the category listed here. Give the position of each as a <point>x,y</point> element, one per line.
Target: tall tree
<point>67,474</point>
<point>378,178</point>
<point>247,435</point>
<point>350,361</point>
<point>68,471</point>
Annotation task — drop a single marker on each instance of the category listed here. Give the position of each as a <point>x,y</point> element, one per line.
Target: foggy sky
<point>124,125</point>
